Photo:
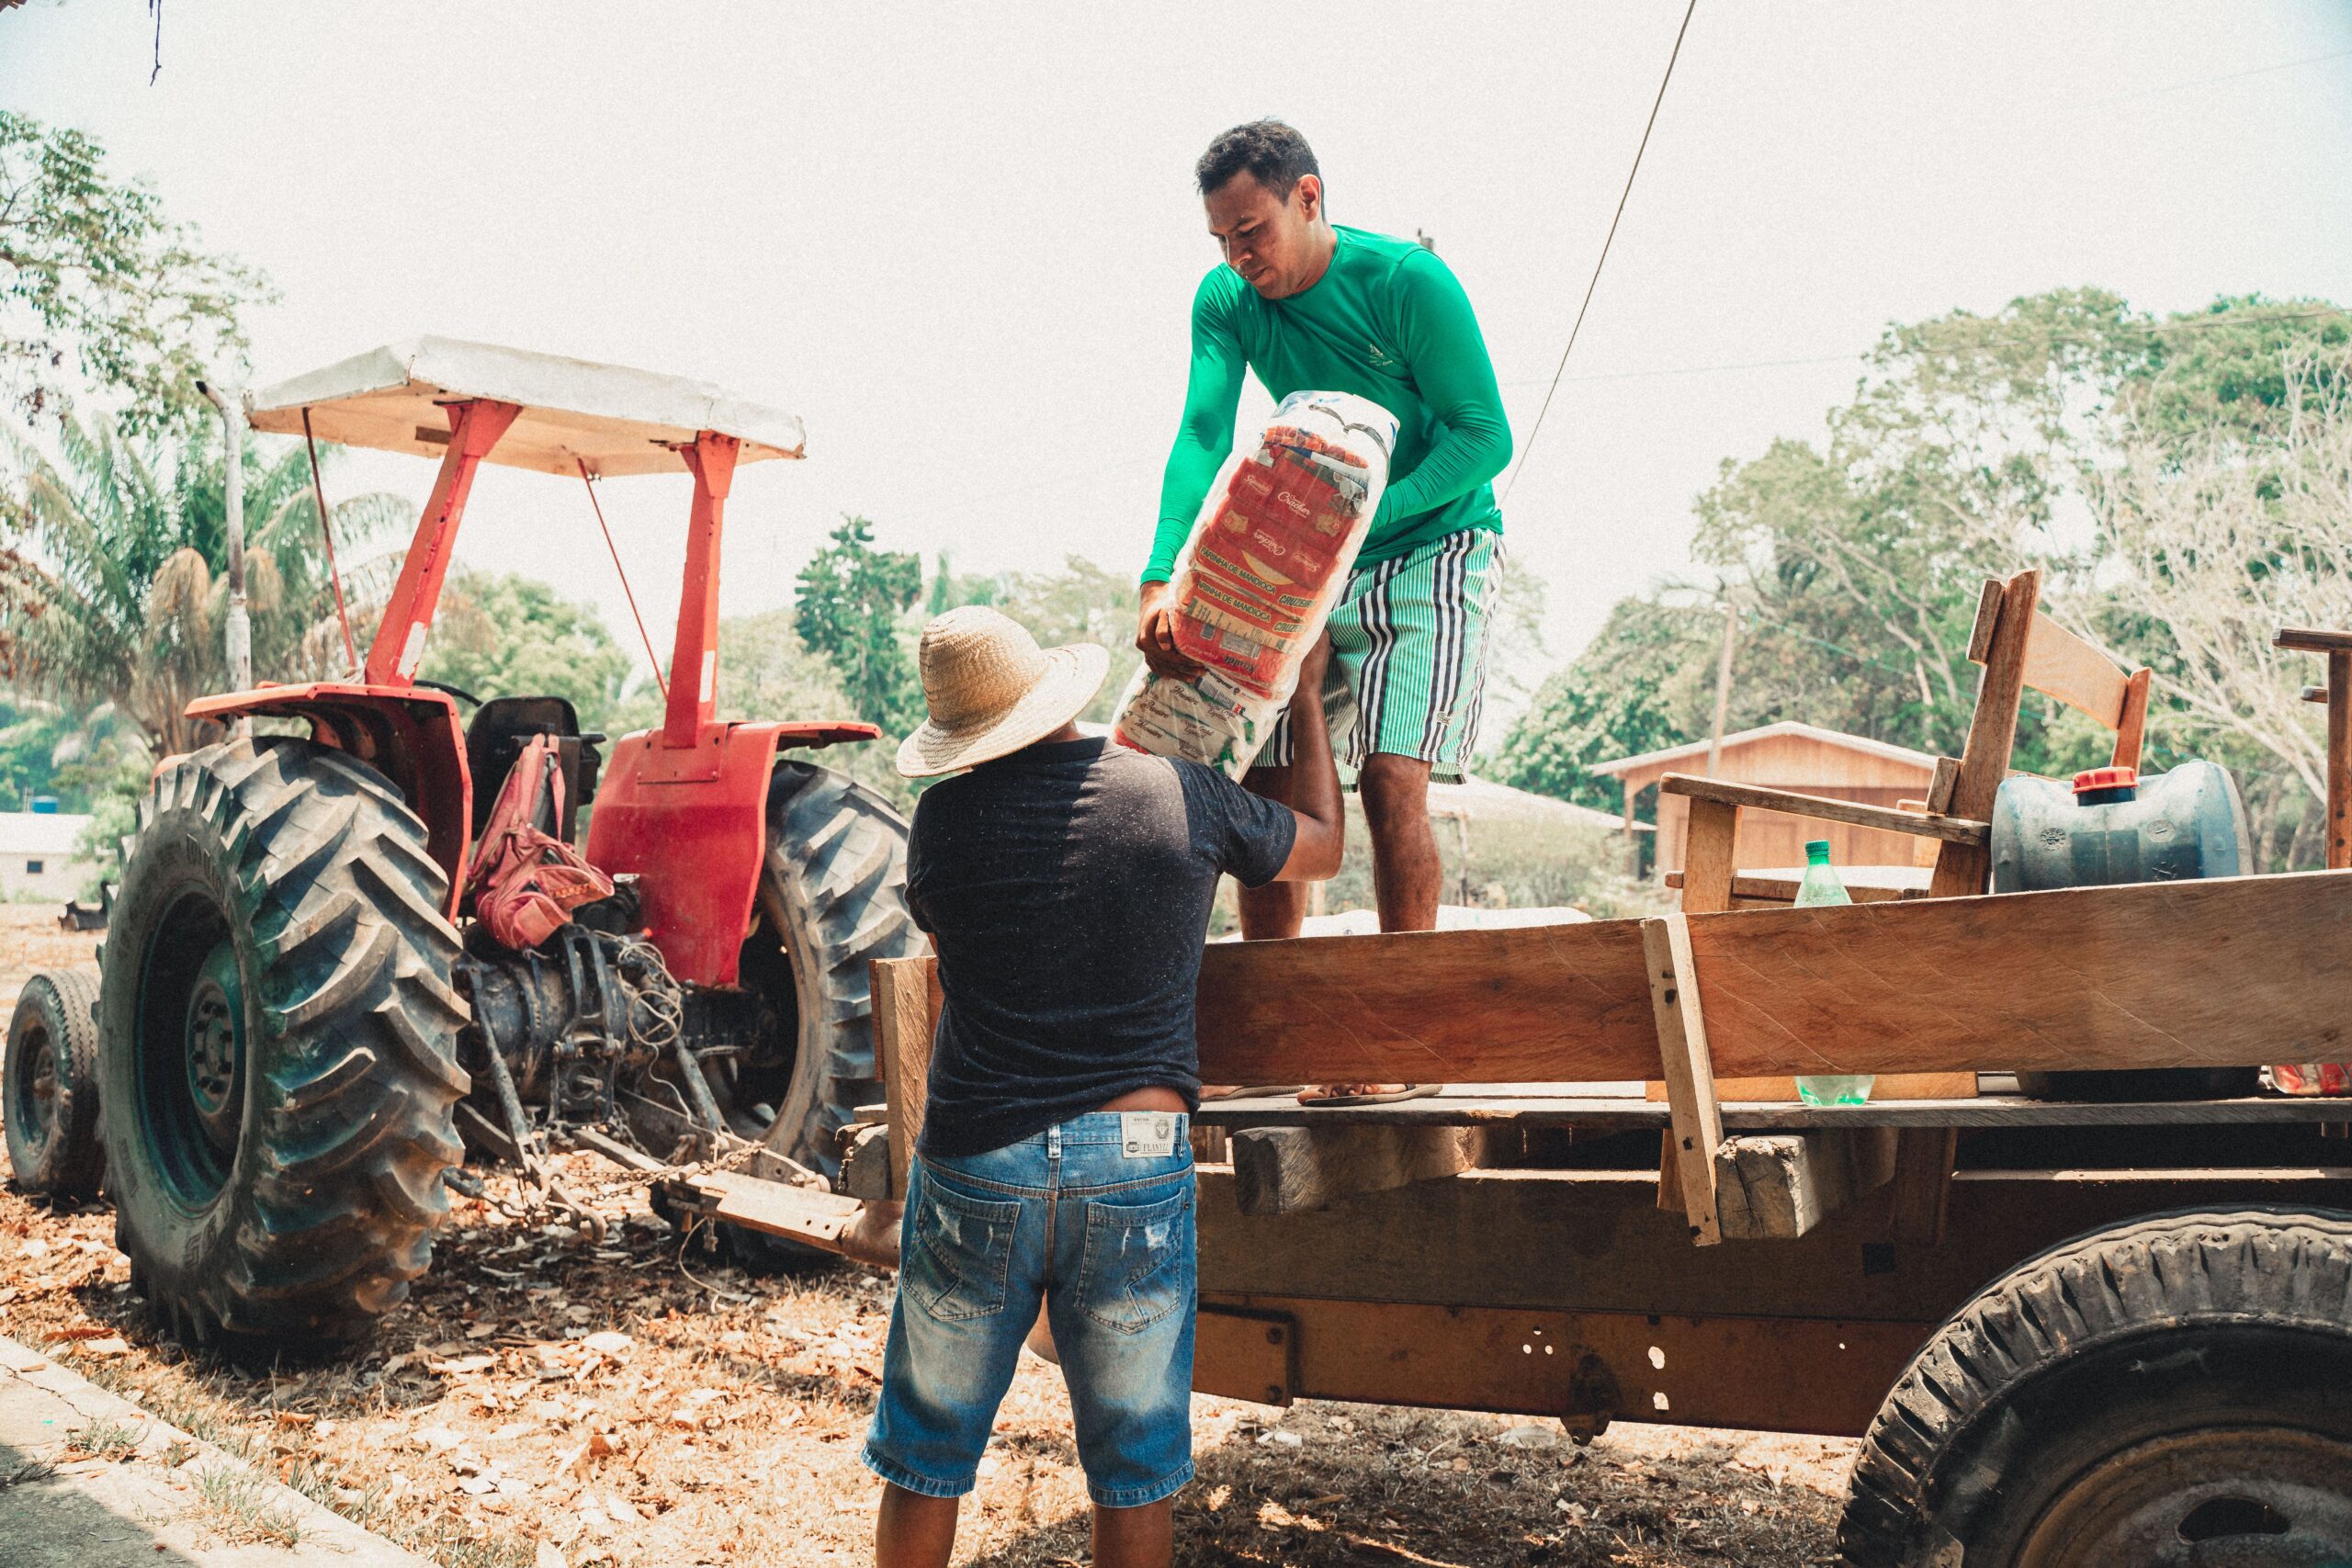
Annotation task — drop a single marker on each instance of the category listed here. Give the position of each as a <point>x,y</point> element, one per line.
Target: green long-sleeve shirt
<point>1386,321</point>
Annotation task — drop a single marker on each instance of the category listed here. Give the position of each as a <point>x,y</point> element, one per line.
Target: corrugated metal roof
<point>1861,743</point>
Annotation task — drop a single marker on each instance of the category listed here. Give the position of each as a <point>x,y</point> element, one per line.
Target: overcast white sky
<point>960,242</point>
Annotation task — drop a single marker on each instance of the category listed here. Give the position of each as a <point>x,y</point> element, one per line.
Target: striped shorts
<point>1408,657</point>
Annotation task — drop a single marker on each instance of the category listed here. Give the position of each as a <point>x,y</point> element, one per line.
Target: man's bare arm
<point>1315,778</point>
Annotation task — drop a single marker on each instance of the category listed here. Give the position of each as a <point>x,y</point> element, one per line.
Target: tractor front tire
<point>52,1078</point>
<point>2164,1391</point>
<point>279,1045</point>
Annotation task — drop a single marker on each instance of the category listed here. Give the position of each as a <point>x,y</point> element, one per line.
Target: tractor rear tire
<point>279,1060</point>
<point>837,871</point>
<point>52,1078</point>
<point>2164,1391</point>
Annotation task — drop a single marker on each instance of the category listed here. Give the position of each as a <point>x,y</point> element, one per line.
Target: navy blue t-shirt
<point>1067,890</point>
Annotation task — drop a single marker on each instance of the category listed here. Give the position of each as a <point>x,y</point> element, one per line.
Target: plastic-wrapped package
<point>2334,1079</point>
<point>1267,558</point>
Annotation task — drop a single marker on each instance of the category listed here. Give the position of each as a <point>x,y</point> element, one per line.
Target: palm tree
<point>115,588</point>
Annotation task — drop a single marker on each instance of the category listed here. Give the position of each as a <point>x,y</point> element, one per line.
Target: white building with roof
<point>37,855</point>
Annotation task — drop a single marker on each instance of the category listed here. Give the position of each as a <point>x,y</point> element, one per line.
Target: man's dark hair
<point>1267,150</point>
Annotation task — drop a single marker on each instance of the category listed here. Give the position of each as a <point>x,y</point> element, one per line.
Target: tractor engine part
<point>279,1070</point>
<point>568,1023</point>
<point>2116,825</point>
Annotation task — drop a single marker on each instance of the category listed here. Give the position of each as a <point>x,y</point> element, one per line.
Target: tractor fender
<point>409,734</point>
<point>691,823</point>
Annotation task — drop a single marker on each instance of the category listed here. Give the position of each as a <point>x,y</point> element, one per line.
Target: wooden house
<point>1791,756</point>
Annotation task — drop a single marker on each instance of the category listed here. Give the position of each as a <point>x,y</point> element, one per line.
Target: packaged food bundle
<point>2312,1078</point>
<point>1254,583</point>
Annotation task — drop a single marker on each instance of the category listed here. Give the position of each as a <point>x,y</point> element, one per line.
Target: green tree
<point>1644,682</point>
<point>100,291</point>
<point>851,596</point>
<point>1080,603</point>
<point>119,595</point>
<point>503,635</point>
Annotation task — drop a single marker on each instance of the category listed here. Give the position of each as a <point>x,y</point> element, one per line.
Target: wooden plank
<point>1989,617</point>
<point>2206,974</point>
<point>1244,1353</point>
<point>1592,1240</point>
<point>1922,1184</point>
<point>1689,1071</point>
<point>1534,1004</point>
<point>1759,889</point>
<point>1960,829</point>
<point>2339,760</point>
<point>1287,1170</point>
<point>1783,1088</point>
<point>903,1020</point>
<point>1710,856</point>
<point>2131,734</point>
<point>2221,973</point>
<point>1634,1114</point>
<point>1967,868</point>
<point>865,1163</point>
<point>2305,640</point>
<point>1939,787</point>
<point>1777,1186</point>
<point>1826,1374</point>
<point>2066,666</point>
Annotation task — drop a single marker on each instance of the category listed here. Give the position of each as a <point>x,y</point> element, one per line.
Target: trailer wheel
<point>279,1045</point>
<point>2165,1392</point>
<point>52,1078</point>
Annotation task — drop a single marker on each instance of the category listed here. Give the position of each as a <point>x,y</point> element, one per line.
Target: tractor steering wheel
<point>457,692</point>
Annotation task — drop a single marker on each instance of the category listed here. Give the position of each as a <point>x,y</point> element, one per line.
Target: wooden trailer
<point>2071,1333</point>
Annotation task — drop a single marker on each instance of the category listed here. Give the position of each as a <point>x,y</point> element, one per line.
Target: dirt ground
<point>546,1401</point>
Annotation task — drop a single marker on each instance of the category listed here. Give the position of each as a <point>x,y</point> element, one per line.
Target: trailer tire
<point>2141,1393</point>
<point>279,1061</point>
<point>52,1078</point>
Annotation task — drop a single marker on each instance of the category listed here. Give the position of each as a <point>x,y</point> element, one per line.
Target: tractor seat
<point>495,737</point>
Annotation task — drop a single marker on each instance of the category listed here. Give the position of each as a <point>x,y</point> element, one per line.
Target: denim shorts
<point>1104,1238</point>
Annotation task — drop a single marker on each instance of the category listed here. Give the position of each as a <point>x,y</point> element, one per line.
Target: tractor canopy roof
<point>607,417</point>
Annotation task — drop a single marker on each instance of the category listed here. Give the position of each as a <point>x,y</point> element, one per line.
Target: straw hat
<point>992,689</point>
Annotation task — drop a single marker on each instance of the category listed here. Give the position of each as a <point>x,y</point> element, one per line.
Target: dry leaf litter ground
<point>544,1400</point>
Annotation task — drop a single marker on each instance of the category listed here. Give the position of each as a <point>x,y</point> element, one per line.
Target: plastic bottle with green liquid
<point>1821,886</point>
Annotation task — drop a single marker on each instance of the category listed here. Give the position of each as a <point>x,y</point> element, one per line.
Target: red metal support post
<point>694,658</point>
<point>474,428</point>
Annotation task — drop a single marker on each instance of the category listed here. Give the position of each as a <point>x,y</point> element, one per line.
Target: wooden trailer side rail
<point>2224,972</point>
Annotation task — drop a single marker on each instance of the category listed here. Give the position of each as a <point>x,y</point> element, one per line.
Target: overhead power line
<point>1602,260</point>
<point>2197,323</point>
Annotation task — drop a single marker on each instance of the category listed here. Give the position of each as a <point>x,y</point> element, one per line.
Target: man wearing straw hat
<point>1066,884</point>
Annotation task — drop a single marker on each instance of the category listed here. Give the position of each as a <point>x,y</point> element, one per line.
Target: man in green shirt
<point>1306,304</point>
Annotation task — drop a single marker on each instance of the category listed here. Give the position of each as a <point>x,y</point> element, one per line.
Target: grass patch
<point>441,1542</point>
<point>242,1507</point>
<point>107,1438</point>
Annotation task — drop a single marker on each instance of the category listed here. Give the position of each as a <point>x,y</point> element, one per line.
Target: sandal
<point>1384,1097</point>
<point>1250,1091</point>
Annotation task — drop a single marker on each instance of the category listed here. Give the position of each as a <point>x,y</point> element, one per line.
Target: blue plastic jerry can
<point>2112,826</point>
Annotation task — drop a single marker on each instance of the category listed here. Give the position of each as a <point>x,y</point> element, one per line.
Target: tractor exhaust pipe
<point>240,632</point>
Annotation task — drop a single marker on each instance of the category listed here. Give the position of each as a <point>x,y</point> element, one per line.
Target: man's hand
<point>1311,670</point>
<point>1156,635</point>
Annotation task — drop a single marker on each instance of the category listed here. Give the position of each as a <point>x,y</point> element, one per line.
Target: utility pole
<point>239,633</point>
<point>1723,687</point>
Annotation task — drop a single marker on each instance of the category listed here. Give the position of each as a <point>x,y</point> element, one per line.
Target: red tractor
<point>343,953</point>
